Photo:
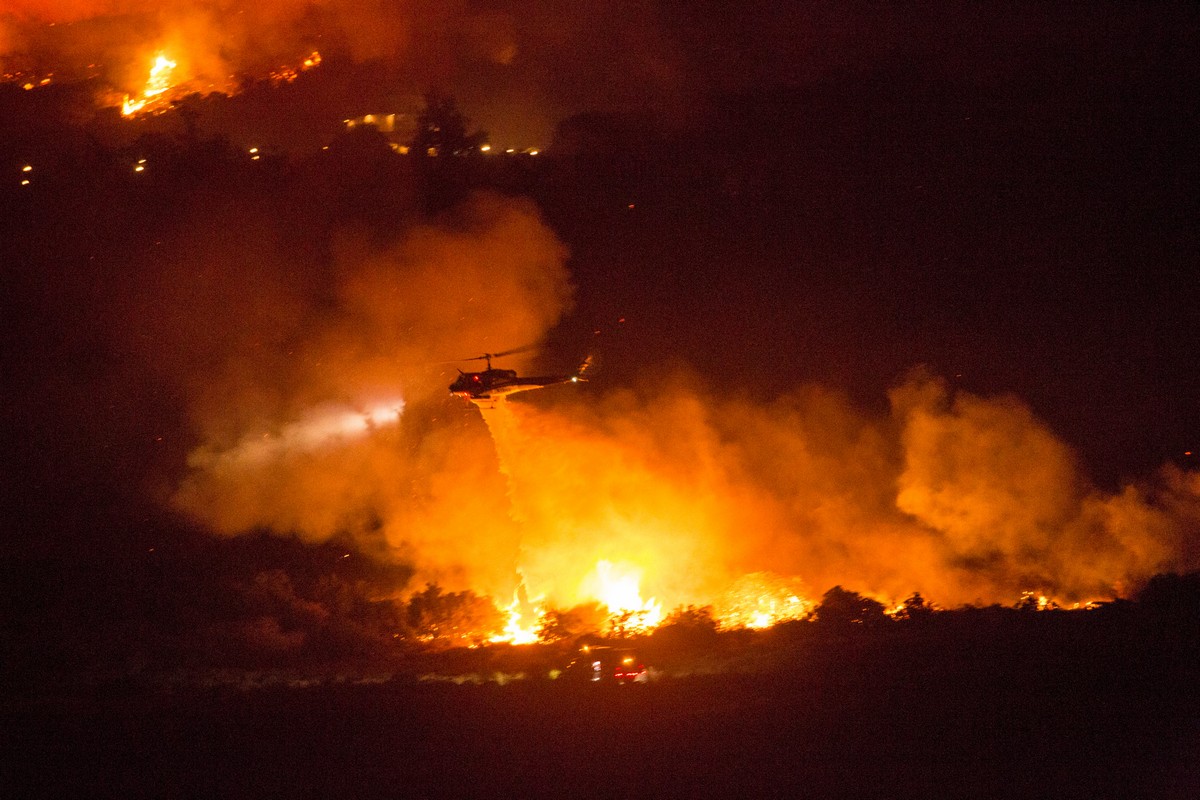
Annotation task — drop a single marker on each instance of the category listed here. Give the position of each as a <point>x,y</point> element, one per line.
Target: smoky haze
<point>321,412</point>
<point>521,66</point>
<point>962,498</point>
<point>260,346</point>
<point>340,432</point>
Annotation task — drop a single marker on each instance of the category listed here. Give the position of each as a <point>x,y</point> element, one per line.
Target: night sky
<point>740,203</point>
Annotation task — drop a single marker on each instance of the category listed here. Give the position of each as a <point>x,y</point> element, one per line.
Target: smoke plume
<point>322,408</point>
<point>960,497</point>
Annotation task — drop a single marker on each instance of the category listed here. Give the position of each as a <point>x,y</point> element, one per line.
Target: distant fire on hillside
<point>166,83</point>
<point>142,58</point>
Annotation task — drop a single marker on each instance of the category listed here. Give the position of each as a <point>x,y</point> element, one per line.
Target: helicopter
<point>494,384</point>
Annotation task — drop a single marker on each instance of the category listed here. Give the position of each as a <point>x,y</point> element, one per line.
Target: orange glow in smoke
<point>648,498</point>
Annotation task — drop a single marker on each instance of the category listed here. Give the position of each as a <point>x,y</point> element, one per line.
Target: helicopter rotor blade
<point>460,360</point>
<point>488,356</point>
<point>524,349</point>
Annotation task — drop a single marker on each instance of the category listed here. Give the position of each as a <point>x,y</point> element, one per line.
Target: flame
<point>616,586</point>
<point>757,600</point>
<point>667,491</point>
<point>762,599</point>
<point>27,82</point>
<point>1036,601</point>
<point>164,82</point>
<point>157,84</point>
<point>522,619</point>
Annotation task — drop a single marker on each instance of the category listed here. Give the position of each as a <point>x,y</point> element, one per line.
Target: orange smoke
<point>331,419</point>
<point>973,500</point>
<point>673,498</point>
<point>313,403</point>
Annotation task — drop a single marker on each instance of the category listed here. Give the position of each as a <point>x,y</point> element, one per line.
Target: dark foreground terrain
<point>1064,705</point>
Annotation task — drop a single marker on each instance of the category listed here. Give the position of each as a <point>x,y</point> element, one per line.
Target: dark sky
<point>752,198</point>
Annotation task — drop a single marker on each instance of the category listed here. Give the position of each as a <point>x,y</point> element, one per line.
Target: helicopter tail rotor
<point>586,365</point>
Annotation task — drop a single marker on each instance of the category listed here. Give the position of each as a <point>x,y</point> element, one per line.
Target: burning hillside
<point>141,56</point>
<point>165,83</point>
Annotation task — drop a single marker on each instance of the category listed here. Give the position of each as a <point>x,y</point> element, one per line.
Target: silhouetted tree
<point>842,607</point>
<point>698,618</point>
<point>624,623</point>
<point>914,608</point>
<point>442,129</point>
<point>582,619</point>
<point>686,630</point>
<point>1032,601</point>
<point>453,617</point>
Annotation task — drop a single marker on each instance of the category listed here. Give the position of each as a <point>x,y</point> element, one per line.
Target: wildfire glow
<point>522,620</point>
<point>165,83</point>
<point>616,586</point>
<point>287,74</point>
<point>157,84</point>
<point>760,600</point>
<point>664,491</point>
<point>1037,601</point>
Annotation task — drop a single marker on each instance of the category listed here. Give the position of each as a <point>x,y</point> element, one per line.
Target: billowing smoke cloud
<point>235,28</point>
<point>316,389</point>
<point>1008,501</point>
<point>327,427</point>
<point>963,498</point>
